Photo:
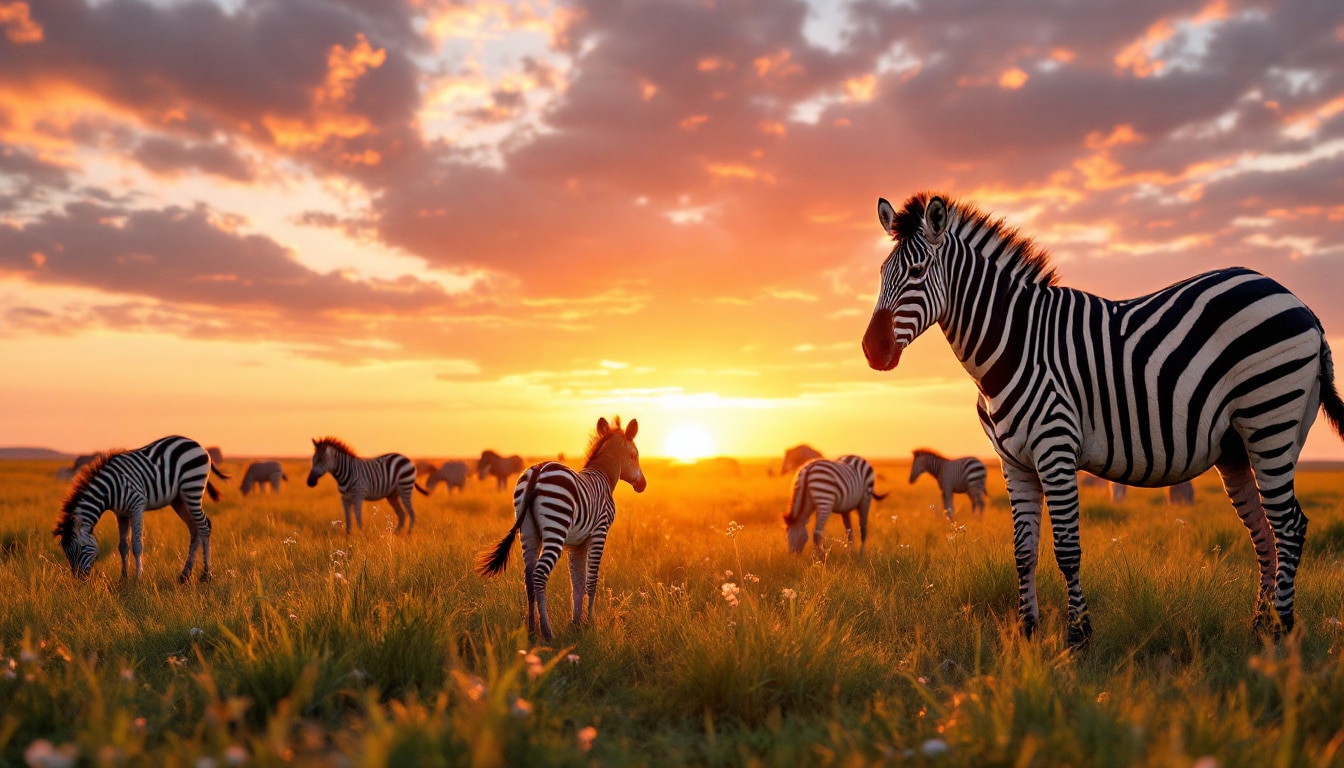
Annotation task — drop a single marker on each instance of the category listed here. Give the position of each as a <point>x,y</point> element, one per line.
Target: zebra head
<point>913,291</point>
<point>628,453</point>
<point>323,461</point>
<point>78,543</point>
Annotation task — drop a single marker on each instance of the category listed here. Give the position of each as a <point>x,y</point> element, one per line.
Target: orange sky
<point>435,227</point>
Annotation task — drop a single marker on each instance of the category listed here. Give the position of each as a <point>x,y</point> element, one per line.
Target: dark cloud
<point>169,157</point>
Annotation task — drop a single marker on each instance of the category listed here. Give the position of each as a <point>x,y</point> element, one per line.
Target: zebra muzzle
<point>879,342</point>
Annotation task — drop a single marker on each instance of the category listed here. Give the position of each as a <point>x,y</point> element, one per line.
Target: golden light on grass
<point>689,442</point>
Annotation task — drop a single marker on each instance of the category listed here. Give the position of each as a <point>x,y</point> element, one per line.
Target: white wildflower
<point>521,708</point>
<point>534,666</point>
<point>195,632</point>
<point>730,593</point>
<point>572,658</point>
<point>788,594</point>
<point>934,748</point>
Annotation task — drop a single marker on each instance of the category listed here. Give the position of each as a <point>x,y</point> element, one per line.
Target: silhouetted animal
<point>492,463</point>
<point>216,455</point>
<point>424,467</point>
<point>797,456</point>
<point>390,476</point>
<point>1181,494</point>
<point>1225,369</point>
<point>263,472</point>
<point>557,508</point>
<point>169,471</point>
<point>822,486</point>
<point>452,473</point>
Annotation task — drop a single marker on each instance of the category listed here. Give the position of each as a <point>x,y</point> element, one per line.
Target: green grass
<point>314,648</point>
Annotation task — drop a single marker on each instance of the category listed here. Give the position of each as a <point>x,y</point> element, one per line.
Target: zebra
<point>556,507</point>
<point>1181,494</point>
<point>172,471</point>
<point>1225,369</point>
<point>797,456</point>
<point>965,475</point>
<point>492,463</point>
<point>262,472</point>
<point>453,474</point>
<point>390,476</point>
<point>824,486</point>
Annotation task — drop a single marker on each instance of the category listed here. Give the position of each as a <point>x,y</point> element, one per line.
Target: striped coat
<point>172,471</point>
<point>823,487</point>
<point>390,476</point>
<point>965,475</point>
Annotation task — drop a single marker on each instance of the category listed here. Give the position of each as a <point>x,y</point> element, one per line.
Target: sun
<point>689,442</point>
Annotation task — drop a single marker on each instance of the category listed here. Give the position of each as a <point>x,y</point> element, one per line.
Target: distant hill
<point>26,453</point>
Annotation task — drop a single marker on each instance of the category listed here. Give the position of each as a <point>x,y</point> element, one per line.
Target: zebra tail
<point>422,491</point>
<point>217,471</point>
<point>491,562</point>
<point>880,496</point>
<point>212,490</point>
<point>1330,399</point>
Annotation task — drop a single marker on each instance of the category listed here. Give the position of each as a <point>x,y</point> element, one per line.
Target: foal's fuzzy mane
<point>336,443</point>
<point>599,440</point>
<point>65,520</point>
<point>1019,250</point>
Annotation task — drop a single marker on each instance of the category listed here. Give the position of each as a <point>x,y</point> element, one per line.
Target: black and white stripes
<point>171,471</point>
<point>557,508</point>
<point>1225,369</point>
<point>825,487</point>
<point>390,476</point>
<point>965,475</point>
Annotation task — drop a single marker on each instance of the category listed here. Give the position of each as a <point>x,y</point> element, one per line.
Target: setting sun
<point>689,442</point>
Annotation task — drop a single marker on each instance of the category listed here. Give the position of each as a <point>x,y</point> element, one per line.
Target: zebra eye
<point>917,270</point>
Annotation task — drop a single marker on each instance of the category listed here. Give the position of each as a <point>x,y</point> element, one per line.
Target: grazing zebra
<point>452,474</point>
<point>966,475</point>
<point>172,471</point>
<point>797,456</point>
<point>555,507</point>
<point>424,467</point>
<point>263,472</point>
<point>492,463</point>
<point>390,476</point>
<point>823,486</point>
<point>1224,369</point>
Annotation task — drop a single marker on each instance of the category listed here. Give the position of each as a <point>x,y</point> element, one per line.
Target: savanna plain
<point>316,648</point>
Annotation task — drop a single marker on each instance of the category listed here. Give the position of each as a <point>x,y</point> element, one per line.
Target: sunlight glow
<point>689,442</point>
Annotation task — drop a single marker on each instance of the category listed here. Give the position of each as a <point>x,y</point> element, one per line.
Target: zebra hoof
<point>1080,634</point>
<point>204,577</point>
<point>184,577</point>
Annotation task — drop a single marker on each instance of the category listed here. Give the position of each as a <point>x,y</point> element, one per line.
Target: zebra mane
<point>927,452</point>
<point>65,520</point>
<point>336,443</point>
<point>1018,249</point>
<point>598,441</point>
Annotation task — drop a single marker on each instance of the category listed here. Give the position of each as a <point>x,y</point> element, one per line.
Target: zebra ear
<point>935,219</point>
<point>632,429</point>
<point>886,216</point>
<point>314,439</point>
<point>602,426</point>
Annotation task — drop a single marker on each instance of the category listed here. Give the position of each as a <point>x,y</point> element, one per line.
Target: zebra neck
<point>608,467</point>
<point>343,469</point>
<point>990,316</point>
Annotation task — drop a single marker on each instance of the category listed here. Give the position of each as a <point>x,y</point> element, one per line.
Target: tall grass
<point>312,647</point>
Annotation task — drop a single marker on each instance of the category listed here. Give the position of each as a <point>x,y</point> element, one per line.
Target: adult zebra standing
<point>555,507</point>
<point>823,486</point>
<point>500,467</point>
<point>172,471</point>
<point>1224,369</point>
<point>390,476</point>
<point>964,475</point>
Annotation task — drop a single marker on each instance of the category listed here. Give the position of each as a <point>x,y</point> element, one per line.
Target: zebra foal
<point>966,475</point>
<point>390,476</point>
<point>1225,369</point>
<point>556,508</point>
<point>172,471</point>
<point>823,486</point>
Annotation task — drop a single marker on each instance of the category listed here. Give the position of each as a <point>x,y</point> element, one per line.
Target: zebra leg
<point>863,522</point>
<point>823,514</point>
<point>180,507</point>
<point>396,507</point>
<point>529,568</point>
<point>357,506</point>
<point>550,555</point>
<point>1239,483</point>
<point>977,495</point>
<point>408,499</point>
<point>578,583</point>
<point>949,504</point>
<point>1279,499</point>
<point>1061,497</point>
<point>123,540</point>
<point>137,542</point>
<point>849,529</point>
<point>596,545</point>
<point>346,509</point>
<point>1024,492</point>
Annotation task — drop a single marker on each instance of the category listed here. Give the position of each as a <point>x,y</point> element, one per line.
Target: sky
<point>437,226</point>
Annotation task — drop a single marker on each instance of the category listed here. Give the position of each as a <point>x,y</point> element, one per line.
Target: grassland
<point>312,647</point>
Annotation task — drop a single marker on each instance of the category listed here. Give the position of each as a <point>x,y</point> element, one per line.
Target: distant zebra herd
<point>1225,370</point>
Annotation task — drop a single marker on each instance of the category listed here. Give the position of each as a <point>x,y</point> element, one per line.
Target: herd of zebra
<point>1224,370</point>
